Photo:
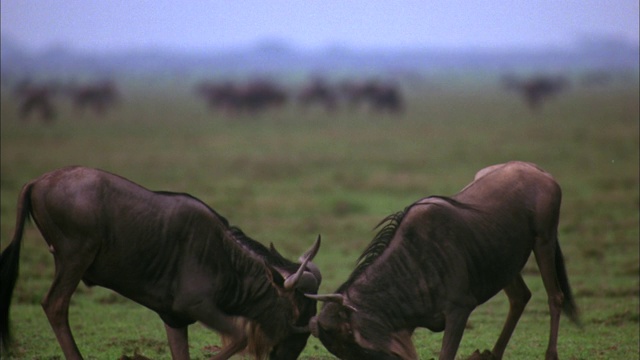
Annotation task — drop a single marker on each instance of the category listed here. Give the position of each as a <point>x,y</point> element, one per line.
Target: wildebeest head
<point>293,281</point>
<point>335,325</point>
<point>350,330</point>
<point>292,346</point>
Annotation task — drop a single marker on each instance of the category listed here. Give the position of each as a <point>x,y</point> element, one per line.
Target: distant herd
<point>38,98</point>
<point>256,95</point>
<point>253,96</point>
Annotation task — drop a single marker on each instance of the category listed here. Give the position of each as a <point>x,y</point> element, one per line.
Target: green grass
<point>287,175</point>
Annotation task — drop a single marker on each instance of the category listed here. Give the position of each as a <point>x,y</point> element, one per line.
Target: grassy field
<point>287,175</point>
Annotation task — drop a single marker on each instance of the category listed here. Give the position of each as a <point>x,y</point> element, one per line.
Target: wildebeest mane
<point>384,236</point>
<point>379,243</point>
<point>171,193</point>
<point>255,247</point>
<point>235,241</point>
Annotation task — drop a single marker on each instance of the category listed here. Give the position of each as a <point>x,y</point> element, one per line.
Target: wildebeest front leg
<point>208,314</point>
<point>236,346</point>
<point>455,322</point>
<point>519,296</point>
<point>178,342</point>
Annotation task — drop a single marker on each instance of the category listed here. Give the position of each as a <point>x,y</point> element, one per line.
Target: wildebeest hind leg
<point>544,250</point>
<point>519,296</point>
<point>56,302</point>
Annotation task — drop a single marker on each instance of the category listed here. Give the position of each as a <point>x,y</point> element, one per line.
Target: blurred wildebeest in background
<point>376,95</point>
<point>597,78</point>
<point>219,96</point>
<point>258,95</point>
<point>318,91</point>
<point>97,96</point>
<point>436,261</point>
<point>252,97</point>
<point>167,251</point>
<point>35,98</point>
<point>536,90</point>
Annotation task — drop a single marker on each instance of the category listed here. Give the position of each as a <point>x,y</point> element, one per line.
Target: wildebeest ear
<point>274,251</point>
<point>276,277</point>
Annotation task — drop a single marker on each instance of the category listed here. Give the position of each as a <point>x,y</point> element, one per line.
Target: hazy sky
<point>107,25</point>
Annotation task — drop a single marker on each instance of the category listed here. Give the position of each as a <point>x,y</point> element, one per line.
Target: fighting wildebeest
<point>167,251</point>
<point>441,257</point>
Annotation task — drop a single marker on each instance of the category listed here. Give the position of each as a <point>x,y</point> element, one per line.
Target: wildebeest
<point>35,98</point>
<point>377,95</point>
<point>441,257</point>
<point>99,96</point>
<point>259,95</point>
<point>317,91</point>
<point>537,89</point>
<point>167,251</point>
<point>220,96</point>
<point>251,97</point>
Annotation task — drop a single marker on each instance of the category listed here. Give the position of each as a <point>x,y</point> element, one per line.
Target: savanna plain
<point>288,174</point>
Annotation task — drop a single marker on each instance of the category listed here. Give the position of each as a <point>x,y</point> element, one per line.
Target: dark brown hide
<point>169,252</point>
<point>433,263</point>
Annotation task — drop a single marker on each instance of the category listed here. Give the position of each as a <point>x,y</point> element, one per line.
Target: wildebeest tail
<point>10,261</point>
<point>569,305</point>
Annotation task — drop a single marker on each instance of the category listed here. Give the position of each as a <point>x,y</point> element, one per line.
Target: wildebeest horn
<point>313,250</point>
<point>311,266</point>
<point>304,279</point>
<point>335,298</point>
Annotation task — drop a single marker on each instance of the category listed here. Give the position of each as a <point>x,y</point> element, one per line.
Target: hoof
<point>485,355</point>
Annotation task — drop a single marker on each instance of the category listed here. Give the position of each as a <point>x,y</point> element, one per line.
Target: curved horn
<point>293,280</point>
<point>311,253</point>
<point>335,298</point>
